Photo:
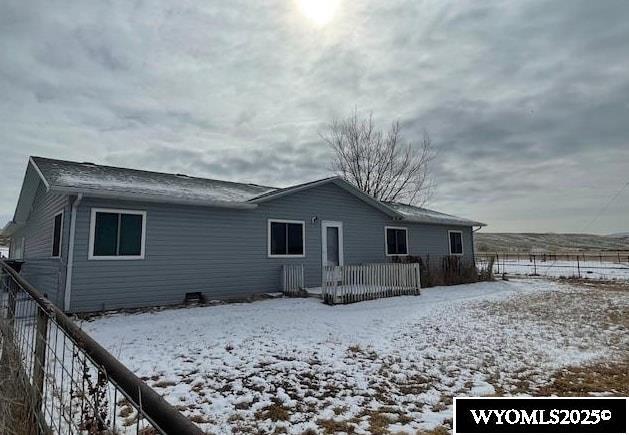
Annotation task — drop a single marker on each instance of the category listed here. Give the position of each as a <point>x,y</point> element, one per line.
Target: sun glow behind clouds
<point>320,12</point>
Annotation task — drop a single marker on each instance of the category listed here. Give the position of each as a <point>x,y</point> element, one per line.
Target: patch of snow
<point>482,388</point>
<point>405,355</point>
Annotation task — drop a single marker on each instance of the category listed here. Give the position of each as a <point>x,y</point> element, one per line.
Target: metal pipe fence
<point>56,379</point>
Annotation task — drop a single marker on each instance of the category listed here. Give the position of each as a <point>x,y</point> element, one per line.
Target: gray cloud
<point>527,102</point>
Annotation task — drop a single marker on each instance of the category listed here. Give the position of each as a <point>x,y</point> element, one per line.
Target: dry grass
<point>334,427</point>
<point>199,419</point>
<point>274,412</point>
<point>440,430</point>
<point>16,417</point>
<point>164,384</point>
<point>609,377</point>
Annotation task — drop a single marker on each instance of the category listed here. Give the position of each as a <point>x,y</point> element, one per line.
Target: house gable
<point>33,183</point>
<point>337,181</point>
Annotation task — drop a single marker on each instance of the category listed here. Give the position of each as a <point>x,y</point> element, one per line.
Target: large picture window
<point>396,241</point>
<point>456,242</point>
<point>117,234</point>
<point>57,234</point>
<point>286,238</point>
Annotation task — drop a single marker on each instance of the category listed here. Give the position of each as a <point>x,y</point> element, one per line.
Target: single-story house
<point>96,237</point>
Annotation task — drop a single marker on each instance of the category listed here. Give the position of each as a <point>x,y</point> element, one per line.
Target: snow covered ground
<point>389,364</point>
<point>562,268</point>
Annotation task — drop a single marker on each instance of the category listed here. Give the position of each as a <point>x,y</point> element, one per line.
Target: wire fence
<point>599,265</point>
<point>55,379</point>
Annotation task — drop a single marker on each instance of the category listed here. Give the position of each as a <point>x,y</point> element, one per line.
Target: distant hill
<point>525,242</point>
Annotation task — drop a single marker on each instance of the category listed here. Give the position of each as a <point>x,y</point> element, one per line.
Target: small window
<point>397,241</point>
<point>456,242</point>
<point>286,238</point>
<point>57,232</point>
<point>117,234</point>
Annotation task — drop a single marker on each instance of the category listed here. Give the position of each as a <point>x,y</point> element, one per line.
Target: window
<point>456,242</point>
<point>57,235</point>
<point>18,254</point>
<point>117,234</point>
<point>396,241</point>
<point>286,238</point>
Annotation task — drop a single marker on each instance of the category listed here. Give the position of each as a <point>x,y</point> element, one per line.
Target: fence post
<point>534,265</point>
<point>578,267</point>
<point>419,278</point>
<point>7,341</point>
<point>39,363</point>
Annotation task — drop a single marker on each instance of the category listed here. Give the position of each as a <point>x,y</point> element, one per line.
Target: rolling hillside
<point>525,242</point>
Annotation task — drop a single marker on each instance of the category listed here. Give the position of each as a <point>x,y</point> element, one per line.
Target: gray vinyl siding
<point>222,253</point>
<point>44,272</point>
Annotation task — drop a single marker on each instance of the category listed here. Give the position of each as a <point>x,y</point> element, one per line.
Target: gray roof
<point>62,175</point>
<point>122,183</point>
<point>412,213</point>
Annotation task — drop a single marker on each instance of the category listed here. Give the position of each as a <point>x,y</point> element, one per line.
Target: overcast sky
<point>527,102</point>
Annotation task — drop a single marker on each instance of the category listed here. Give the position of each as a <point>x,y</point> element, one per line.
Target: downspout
<point>473,248</point>
<point>68,290</point>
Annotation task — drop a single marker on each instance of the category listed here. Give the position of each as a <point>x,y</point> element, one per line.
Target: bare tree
<point>378,162</point>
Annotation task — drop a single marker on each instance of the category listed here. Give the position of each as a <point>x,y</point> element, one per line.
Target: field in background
<point>536,242</point>
<point>599,265</point>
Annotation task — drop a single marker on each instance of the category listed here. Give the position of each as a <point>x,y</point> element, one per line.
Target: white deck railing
<point>347,284</point>
<point>293,279</point>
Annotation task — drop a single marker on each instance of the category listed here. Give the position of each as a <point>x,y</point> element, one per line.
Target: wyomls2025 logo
<point>540,415</point>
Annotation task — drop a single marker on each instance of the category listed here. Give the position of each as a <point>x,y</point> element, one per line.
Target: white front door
<point>332,243</point>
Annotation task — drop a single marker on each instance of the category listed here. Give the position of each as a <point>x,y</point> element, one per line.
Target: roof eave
<point>39,172</point>
<point>95,193</point>
<point>445,222</point>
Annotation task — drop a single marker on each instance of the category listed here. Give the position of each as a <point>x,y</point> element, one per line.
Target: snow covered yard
<point>389,365</point>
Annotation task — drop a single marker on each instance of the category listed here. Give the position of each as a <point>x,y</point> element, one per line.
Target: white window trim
<point>90,253</point>
<point>450,242</point>
<point>60,236</point>
<point>285,221</point>
<point>386,245</point>
<point>324,241</point>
